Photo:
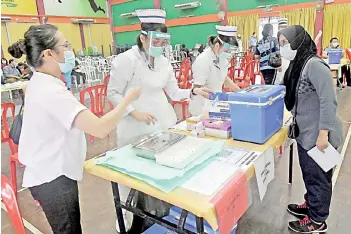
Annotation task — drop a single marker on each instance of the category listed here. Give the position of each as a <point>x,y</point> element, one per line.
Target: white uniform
<point>129,70</point>
<point>208,73</point>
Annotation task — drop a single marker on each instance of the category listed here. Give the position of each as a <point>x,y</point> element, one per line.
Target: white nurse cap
<point>151,16</point>
<point>227,30</point>
<point>283,21</point>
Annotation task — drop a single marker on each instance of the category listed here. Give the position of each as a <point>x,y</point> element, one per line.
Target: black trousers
<point>269,76</point>
<point>345,71</point>
<point>60,203</point>
<point>318,184</point>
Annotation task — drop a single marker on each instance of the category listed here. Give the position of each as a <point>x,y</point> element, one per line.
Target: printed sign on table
<point>231,203</point>
<point>264,170</point>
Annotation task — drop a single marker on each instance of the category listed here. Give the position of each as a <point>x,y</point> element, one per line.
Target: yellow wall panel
<point>101,35</point>
<point>72,34</point>
<point>86,35</point>
<point>4,41</point>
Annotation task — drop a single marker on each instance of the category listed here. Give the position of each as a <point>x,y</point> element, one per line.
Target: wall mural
<point>92,8</point>
<point>19,7</point>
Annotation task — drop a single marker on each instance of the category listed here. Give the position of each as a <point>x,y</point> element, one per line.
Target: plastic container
<point>219,107</point>
<point>334,56</point>
<point>257,112</point>
<point>175,212</point>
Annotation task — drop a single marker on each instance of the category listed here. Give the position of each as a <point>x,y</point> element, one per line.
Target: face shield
<point>226,52</point>
<point>158,43</point>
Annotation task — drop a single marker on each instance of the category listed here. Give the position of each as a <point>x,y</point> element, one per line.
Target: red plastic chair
<point>5,133</point>
<point>106,80</point>
<point>8,197</point>
<point>257,72</point>
<point>97,100</point>
<point>245,81</point>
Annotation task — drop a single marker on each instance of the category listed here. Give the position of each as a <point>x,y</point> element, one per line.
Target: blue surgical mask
<point>155,51</point>
<point>69,63</point>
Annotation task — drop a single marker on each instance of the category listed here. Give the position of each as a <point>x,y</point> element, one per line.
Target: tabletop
<point>198,204</point>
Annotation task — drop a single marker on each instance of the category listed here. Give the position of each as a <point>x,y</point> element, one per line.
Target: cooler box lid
<point>260,94</point>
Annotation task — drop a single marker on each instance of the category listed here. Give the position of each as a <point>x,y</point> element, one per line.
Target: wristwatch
<point>192,91</point>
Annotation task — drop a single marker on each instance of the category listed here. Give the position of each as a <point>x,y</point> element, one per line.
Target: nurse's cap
<point>283,22</point>
<point>229,31</point>
<point>157,16</point>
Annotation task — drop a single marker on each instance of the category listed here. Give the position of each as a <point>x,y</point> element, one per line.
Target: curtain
<point>306,17</point>
<point>337,23</point>
<point>247,24</point>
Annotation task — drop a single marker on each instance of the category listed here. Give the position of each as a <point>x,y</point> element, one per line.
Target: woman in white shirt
<point>52,144</point>
<point>210,68</point>
<point>144,66</point>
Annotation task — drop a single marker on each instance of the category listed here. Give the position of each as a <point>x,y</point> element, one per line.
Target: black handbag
<point>15,131</point>
<point>274,60</point>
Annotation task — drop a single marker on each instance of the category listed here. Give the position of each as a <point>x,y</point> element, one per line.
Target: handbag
<point>15,131</point>
<point>294,130</point>
<point>274,60</point>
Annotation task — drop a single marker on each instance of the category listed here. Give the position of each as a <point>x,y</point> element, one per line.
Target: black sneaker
<point>299,211</point>
<point>306,225</point>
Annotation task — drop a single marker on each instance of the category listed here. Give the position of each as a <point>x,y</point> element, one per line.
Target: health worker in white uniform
<point>145,66</point>
<point>210,68</point>
<point>282,23</point>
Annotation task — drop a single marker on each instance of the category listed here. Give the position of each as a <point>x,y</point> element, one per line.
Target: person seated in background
<point>25,71</point>
<point>4,63</point>
<point>77,73</point>
<point>345,69</point>
<point>253,42</point>
<point>11,73</point>
<point>334,44</point>
<point>186,50</point>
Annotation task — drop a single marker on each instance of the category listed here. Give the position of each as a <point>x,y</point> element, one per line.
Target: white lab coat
<point>280,75</point>
<point>206,73</point>
<point>129,70</point>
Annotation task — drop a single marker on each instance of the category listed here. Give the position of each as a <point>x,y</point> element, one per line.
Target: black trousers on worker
<point>345,72</point>
<point>318,184</point>
<point>269,76</point>
<point>60,203</point>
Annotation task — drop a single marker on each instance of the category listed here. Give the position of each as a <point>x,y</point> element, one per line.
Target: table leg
<point>118,208</point>
<point>200,225</point>
<point>291,162</point>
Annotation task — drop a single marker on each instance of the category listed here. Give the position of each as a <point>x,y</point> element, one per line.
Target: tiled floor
<point>268,217</point>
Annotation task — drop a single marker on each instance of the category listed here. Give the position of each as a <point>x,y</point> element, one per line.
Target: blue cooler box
<point>158,229</point>
<point>334,56</point>
<point>191,221</point>
<point>257,112</point>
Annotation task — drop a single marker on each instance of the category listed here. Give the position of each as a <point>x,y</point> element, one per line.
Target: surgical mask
<point>335,44</point>
<point>224,56</point>
<point>287,52</point>
<point>155,51</point>
<point>69,63</point>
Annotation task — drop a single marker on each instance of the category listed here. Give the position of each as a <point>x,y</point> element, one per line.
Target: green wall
<point>207,7</point>
<point>188,34</point>
<point>127,7</point>
<point>192,34</point>
<point>234,5</point>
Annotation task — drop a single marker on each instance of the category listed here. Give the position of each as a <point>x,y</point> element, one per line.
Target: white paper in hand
<point>327,160</point>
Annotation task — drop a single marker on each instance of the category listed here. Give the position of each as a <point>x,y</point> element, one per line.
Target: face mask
<point>287,52</point>
<point>335,44</point>
<point>155,51</point>
<point>223,56</point>
<point>69,63</point>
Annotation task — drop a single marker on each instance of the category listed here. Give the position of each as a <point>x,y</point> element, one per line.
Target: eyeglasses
<point>67,45</point>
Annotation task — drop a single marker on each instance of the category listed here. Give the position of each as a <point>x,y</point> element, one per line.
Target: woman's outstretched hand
<point>203,91</point>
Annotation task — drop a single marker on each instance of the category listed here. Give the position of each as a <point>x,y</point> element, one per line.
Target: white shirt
<point>49,146</point>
